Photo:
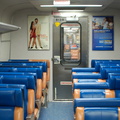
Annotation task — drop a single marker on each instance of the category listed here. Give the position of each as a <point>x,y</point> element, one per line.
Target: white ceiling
<point>106,4</point>
<point>14,5</point>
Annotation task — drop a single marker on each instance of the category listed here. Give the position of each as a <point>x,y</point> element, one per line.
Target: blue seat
<point>106,71</point>
<point>86,75</point>
<point>96,98</point>
<point>37,81</point>
<point>23,88</point>
<point>18,60</point>
<point>100,108</point>
<point>93,62</point>
<point>38,70</point>
<point>96,93</point>
<point>102,75</point>
<point>44,64</point>
<point>97,67</point>
<point>29,82</point>
<point>11,104</point>
<point>101,113</point>
<point>83,70</point>
<point>35,64</point>
<point>112,83</point>
<point>40,82</point>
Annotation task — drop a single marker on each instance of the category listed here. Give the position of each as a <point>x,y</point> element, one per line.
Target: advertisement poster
<point>38,32</point>
<point>103,33</point>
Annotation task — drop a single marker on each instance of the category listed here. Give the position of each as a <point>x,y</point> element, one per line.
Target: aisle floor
<point>57,111</point>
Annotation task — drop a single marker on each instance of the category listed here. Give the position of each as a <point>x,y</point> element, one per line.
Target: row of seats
<point>96,91</point>
<point>23,88</point>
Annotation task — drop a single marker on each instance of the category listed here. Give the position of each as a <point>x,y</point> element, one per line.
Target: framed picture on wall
<point>38,33</point>
<point>103,33</point>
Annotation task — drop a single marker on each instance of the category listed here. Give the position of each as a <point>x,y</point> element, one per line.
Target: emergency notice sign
<point>61,2</point>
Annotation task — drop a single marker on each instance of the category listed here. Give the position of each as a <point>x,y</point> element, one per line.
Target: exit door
<point>70,49</point>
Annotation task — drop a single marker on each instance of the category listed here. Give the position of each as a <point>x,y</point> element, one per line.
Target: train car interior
<point>59,59</point>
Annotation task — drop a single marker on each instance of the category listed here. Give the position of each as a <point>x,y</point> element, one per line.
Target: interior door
<point>68,52</point>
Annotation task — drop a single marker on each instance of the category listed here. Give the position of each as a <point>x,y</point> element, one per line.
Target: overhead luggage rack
<point>4,28</point>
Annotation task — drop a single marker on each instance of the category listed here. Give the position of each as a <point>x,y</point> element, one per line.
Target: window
<point>70,43</point>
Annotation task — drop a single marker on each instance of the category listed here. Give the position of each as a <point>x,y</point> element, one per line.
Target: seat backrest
<point>18,60</point>
<point>106,71</point>
<point>93,62</point>
<point>26,80</point>
<point>96,102</point>
<point>97,66</point>
<point>101,113</point>
<point>91,85</point>
<point>31,60</point>
<point>109,66</point>
<point>23,88</point>
<point>18,73</point>
<point>11,104</point>
<point>96,93</point>
<point>114,82</point>
<point>43,64</point>
<point>48,65</point>
<point>37,71</point>
<point>33,63</point>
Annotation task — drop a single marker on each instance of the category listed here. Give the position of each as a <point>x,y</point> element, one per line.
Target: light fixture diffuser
<point>71,5</point>
<point>70,10</point>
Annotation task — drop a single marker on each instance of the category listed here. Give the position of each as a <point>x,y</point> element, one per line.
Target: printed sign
<point>103,33</point>
<point>61,2</point>
<point>65,83</point>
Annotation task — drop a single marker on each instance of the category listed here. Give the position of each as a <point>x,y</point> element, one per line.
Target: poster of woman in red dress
<point>38,32</point>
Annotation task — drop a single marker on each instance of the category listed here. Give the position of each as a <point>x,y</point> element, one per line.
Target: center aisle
<point>57,111</point>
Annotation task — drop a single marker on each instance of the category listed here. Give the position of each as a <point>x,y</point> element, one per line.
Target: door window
<point>70,44</point>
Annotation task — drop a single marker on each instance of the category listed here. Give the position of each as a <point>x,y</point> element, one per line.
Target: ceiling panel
<point>115,4</point>
<point>105,4</point>
<point>13,5</point>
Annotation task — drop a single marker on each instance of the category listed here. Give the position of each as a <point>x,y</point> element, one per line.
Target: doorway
<point>70,49</point>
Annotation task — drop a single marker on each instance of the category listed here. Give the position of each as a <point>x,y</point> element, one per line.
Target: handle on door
<point>56,59</point>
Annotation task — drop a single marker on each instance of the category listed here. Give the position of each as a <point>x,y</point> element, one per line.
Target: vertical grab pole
<point>55,93</point>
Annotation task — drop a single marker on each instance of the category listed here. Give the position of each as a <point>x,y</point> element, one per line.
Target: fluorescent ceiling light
<point>71,5</point>
<point>70,10</point>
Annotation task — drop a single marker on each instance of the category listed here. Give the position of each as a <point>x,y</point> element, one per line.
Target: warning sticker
<point>57,24</point>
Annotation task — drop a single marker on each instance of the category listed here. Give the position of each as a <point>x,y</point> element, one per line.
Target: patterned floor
<point>57,111</point>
